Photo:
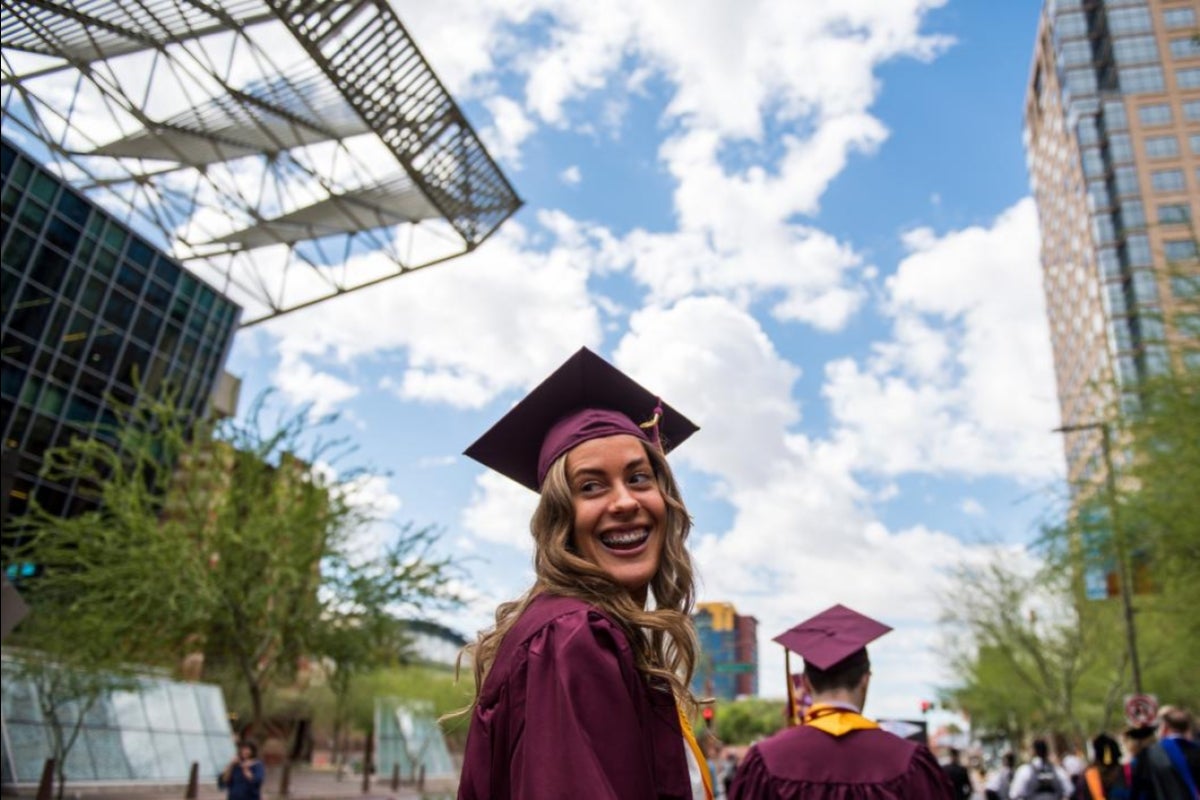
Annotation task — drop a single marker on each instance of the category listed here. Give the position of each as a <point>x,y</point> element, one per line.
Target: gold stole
<point>690,738</point>
<point>836,721</point>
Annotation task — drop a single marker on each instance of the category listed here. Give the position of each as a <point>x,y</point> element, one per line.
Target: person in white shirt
<point>1039,779</point>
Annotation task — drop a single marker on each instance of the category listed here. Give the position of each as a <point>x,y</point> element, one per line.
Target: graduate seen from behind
<point>834,752</point>
<point>582,686</point>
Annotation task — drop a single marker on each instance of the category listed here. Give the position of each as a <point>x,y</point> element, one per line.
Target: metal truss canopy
<point>206,122</point>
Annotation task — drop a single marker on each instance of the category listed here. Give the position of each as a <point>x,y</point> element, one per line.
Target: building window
<point>1145,288</point>
<point>1087,131</point>
<point>1103,229</point>
<point>1185,47</point>
<point>1135,50</point>
<point>1162,146</point>
<point>1129,20</point>
<point>1179,17</point>
<point>1157,114</point>
<point>1081,81</point>
<point>1174,214</point>
<point>1110,263</point>
<point>1144,79</point>
<point>1191,110</point>
<point>1188,78</point>
<point>1126,181</point>
<point>1114,116</point>
<point>1194,143</point>
<point>1180,250</point>
<point>1167,180</point>
<point>1133,215</point>
<point>1072,23</point>
<point>1075,54</point>
<point>1137,248</point>
<point>1093,163</point>
<point>1185,287</point>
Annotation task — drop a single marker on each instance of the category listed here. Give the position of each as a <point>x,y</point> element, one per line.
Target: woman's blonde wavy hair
<point>665,633</point>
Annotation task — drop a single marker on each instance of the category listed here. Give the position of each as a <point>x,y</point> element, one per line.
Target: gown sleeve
<point>583,737</point>
<point>926,779</point>
<point>752,780</point>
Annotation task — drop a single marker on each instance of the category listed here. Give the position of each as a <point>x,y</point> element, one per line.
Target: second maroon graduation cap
<point>585,398</point>
<point>832,636</point>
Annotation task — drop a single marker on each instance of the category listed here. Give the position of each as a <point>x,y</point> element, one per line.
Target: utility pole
<point>1123,572</point>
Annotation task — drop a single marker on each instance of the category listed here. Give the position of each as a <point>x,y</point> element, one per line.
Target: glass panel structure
<point>125,736</point>
<point>408,737</point>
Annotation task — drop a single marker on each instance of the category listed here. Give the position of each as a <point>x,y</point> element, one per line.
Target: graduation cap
<point>585,398</point>
<point>836,635</point>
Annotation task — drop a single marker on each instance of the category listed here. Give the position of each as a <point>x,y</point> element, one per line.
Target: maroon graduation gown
<point>806,763</point>
<point>564,713</point>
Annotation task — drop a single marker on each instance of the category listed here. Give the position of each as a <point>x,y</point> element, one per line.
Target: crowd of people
<point>1156,762</point>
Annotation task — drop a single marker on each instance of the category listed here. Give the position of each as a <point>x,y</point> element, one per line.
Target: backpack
<point>1045,785</point>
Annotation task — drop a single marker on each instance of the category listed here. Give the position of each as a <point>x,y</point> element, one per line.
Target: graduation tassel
<point>652,426</point>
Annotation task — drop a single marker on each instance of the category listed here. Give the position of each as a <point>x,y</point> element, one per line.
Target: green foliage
<point>747,720</point>
<point>1068,669</point>
<point>235,541</point>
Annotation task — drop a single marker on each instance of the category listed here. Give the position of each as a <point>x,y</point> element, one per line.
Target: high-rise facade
<point>1112,136</point>
<point>88,305</point>
<point>728,665</point>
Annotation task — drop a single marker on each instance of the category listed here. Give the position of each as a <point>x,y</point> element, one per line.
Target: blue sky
<point>805,224</point>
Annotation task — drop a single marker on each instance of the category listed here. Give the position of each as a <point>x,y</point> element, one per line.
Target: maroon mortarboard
<point>831,636</point>
<point>585,398</point>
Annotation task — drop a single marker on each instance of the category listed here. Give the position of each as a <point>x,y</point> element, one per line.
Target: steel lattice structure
<point>288,151</point>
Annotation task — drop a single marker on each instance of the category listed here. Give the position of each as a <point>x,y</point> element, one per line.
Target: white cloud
<point>571,176</point>
<point>302,385</point>
<point>499,511</point>
<point>966,383</point>
<point>494,320</point>
<point>972,507</point>
<point>510,128</point>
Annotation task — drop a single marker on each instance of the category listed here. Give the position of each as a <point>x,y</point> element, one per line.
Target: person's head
<point>1041,749</point>
<point>1138,739</point>
<point>954,755</point>
<point>848,678</point>
<point>247,750</point>
<point>833,645</point>
<point>1010,760</point>
<point>610,511</point>
<point>1174,721</point>
<point>592,442</point>
<point>1105,751</point>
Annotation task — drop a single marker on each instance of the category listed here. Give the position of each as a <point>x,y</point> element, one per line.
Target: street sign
<point>1141,709</point>
<point>737,667</point>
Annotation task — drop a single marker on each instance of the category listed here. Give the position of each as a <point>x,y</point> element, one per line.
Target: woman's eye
<point>588,487</point>
<point>640,478</point>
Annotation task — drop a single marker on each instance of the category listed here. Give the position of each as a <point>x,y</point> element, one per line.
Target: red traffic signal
<point>707,713</point>
<point>926,706</point>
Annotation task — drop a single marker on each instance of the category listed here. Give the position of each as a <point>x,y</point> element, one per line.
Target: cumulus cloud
<point>571,176</point>
<point>965,384</point>
<point>510,128</point>
<point>457,322</point>
<point>301,384</point>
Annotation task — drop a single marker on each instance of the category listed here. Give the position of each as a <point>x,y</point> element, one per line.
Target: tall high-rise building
<point>1112,135</point>
<point>92,314</point>
<point>728,664</point>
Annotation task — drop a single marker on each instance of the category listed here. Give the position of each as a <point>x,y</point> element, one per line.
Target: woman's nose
<point>623,500</point>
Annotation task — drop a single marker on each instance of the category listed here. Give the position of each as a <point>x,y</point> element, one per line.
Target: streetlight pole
<point>1123,571</point>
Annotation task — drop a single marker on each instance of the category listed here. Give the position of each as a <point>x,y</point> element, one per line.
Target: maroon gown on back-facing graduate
<point>564,713</point>
<point>806,763</point>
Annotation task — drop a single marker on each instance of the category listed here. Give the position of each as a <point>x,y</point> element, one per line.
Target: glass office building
<point>1112,136</point>
<point>87,306</point>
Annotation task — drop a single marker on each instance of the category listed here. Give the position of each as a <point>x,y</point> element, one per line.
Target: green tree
<point>233,541</point>
<point>748,719</point>
<point>1023,657</point>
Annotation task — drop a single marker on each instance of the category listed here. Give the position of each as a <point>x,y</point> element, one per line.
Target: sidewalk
<point>305,785</point>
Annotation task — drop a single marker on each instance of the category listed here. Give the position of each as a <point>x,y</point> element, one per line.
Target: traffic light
<point>707,713</point>
<point>926,706</point>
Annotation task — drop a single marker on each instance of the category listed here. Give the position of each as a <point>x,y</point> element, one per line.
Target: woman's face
<point>620,515</point>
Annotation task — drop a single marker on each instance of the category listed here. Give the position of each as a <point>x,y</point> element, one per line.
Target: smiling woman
<point>583,682</point>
